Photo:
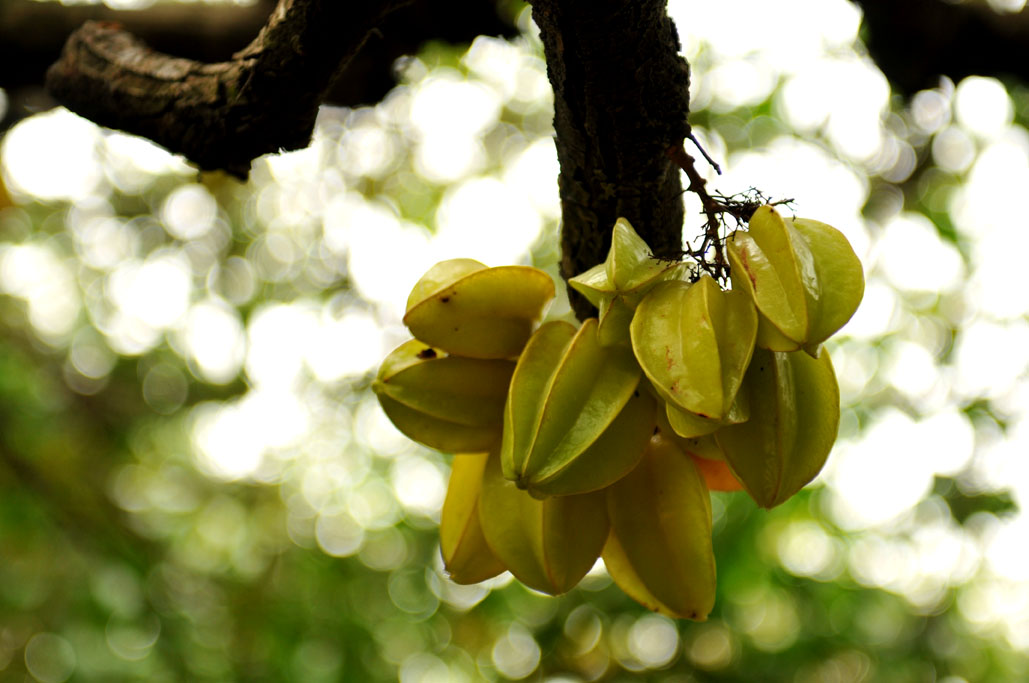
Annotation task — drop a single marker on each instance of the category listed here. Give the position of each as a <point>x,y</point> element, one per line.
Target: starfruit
<point>451,403</point>
<point>466,555</point>
<point>703,446</point>
<point>574,420</point>
<point>840,278</point>
<point>794,417</point>
<point>615,452</point>
<point>630,269</point>
<point>717,474</point>
<point>802,275</point>
<point>617,286</point>
<point>548,544</point>
<point>707,456</point>
<point>694,343</point>
<point>659,551</point>
<point>691,425</point>
<point>469,310</point>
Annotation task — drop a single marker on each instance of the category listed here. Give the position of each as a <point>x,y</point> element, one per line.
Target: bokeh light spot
<point>50,658</point>
<point>189,212</point>
<point>654,641</point>
<point>983,106</point>
<point>53,156</point>
<point>516,654</point>
<point>711,647</point>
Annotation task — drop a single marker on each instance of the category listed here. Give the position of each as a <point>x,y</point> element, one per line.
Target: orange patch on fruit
<point>717,474</point>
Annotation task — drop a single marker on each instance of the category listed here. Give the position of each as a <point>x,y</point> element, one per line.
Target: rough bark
<point>225,114</point>
<point>621,100</point>
<point>33,33</point>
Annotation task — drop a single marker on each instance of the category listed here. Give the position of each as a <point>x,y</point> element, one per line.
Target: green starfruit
<point>839,276</point>
<point>694,343</point>
<point>802,275</point>
<point>548,544</point>
<point>572,399</point>
<point>659,551</point>
<point>794,417</point>
<point>617,286</point>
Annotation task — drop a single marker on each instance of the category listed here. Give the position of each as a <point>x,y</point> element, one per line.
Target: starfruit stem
<point>698,185</point>
<point>714,208</point>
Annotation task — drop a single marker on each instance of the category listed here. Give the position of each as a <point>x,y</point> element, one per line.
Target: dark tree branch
<point>33,33</point>
<point>370,75</point>
<point>621,99</point>
<point>225,114</point>
<point>916,41</point>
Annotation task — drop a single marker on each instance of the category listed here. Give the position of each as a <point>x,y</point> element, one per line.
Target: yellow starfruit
<point>469,310</point>
<point>467,557</point>
<point>548,544</point>
<point>451,403</point>
<point>659,551</point>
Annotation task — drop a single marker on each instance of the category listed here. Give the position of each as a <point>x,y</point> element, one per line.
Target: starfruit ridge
<point>694,342</point>
<point>794,419</point>
<point>548,544</point>
<point>567,395</point>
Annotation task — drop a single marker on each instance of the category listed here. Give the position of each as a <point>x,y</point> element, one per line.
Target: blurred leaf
<point>963,505</point>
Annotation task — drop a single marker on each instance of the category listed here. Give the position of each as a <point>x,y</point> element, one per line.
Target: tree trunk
<point>621,100</point>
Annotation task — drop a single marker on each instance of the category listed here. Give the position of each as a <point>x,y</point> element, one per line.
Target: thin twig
<point>712,210</point>
<point>740,206</point>
<point>714,165</point>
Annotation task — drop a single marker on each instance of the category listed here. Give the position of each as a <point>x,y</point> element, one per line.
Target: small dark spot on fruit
<point>636,393</point>
<point>445,299</point>
<point>656,430</point>
<point>425,354</point>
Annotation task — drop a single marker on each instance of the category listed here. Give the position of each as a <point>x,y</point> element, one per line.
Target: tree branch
<point>224,114</point>
<point>33,33</point>
<point>916,41</point>
<point>621,99</point>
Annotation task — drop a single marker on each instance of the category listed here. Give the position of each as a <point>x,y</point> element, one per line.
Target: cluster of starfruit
<point>604,440</point>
